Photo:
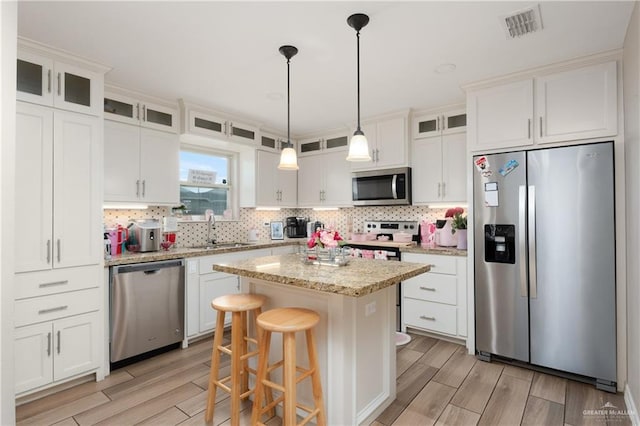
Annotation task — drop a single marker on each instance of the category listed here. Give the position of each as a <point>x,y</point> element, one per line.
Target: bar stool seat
<point>288,321</point>
<point>237,383</point>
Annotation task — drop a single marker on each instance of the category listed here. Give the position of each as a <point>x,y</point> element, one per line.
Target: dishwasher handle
<point>147,268</point>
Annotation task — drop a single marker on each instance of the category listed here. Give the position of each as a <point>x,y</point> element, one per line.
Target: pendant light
<point>358,146</point>
<point>288,157</point>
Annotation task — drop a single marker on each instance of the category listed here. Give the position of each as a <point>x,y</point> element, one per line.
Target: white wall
<point>631,73</point>
<point>8,38</point>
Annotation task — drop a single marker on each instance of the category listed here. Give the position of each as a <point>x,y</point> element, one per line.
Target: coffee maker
<point>296,227</point>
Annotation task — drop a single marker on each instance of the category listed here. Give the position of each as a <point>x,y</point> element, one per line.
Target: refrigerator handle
<point>522,241</point>
<point>533,279</point>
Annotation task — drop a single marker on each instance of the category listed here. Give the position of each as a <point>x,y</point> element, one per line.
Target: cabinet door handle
<point>59,84</point>
<point>230,129</point>
<point>144,113</point>
<point>54,283</point>
<point>540,126</point>
<point>529,128</point>
<point>49,344</point>
<point>59,342</point>
<point>439,124</point>
<point>444,189</point>
<point>377,155</point>
<point>48,251</point>
<point>49,81</point>
<point>144,187</point>
<point>58,243</point>
<point>439,189</point>
<point>138,111</point>
<point>422,317</point>
<point>138,188</point>
<point>427,288</point>
<point>50,310</point>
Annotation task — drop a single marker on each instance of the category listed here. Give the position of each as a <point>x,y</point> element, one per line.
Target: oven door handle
<point>394,187</point>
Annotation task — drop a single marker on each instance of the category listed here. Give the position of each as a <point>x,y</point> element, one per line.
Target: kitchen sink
<point>222,245</point>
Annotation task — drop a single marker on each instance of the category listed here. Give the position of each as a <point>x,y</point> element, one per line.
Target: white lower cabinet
<point>212,286</point>
<point>52,351</point>
<point>204,284</point>
<point>436,301</point>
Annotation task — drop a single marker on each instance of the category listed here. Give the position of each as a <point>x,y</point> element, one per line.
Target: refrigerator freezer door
<point>501,303</point>
<point>573,311</point>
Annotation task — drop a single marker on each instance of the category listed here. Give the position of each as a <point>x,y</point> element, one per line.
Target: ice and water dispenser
<point>500,243</point>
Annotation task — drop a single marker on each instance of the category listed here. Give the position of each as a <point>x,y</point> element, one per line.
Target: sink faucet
<point>211,224</point>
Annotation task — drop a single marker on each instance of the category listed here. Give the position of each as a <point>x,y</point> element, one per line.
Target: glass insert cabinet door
<point>44,81</point>
<point>133,111</point>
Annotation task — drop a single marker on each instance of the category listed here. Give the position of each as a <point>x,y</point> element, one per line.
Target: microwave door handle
<point>394,187</point>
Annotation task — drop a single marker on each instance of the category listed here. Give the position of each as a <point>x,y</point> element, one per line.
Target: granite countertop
<point>184,252</point>
<point>442,251</point>
<point>358,278</point>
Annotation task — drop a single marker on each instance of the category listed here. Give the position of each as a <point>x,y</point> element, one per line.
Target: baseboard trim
<point>631,406</point>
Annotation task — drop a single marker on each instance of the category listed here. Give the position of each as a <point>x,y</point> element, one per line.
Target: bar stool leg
<point>215,366</point>
<point>244,368</point>
<point>289,379</point>
<point>263,358</point>
<point>315,378</point>
<point>237,340</point>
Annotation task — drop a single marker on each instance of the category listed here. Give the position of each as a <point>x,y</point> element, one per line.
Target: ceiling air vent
<point>522,22</point>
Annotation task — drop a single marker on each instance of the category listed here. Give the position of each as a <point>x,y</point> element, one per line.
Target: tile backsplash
<point>344,220</point>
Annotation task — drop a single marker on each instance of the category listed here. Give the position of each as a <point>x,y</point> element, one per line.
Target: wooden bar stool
<point>287,321</point>
<point>239,305</point>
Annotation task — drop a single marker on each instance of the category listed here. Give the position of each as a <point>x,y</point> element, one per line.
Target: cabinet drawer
<point>432,287</point>
<point>47,308</point>
<point>430,316</point>
<point>439,264</point>
<point>34,284</point>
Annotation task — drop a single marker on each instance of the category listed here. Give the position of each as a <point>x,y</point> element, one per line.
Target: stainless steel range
<point>389,248</point>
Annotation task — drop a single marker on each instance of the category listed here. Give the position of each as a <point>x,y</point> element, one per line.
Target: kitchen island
<point>356,333</point>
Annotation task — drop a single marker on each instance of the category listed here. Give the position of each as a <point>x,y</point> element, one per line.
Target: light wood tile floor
<point>437,383</point>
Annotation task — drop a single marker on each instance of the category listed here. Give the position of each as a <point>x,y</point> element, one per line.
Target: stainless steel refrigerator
<point>544,241</point>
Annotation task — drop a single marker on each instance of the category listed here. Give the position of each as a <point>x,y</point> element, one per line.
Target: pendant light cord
<point>358,72</point>
<point>288,106</point>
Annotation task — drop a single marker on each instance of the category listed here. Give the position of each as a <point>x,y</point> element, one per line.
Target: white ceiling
<point>225,54</point>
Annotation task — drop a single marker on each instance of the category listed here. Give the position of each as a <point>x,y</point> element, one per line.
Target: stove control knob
<point>406,227</point>
<point>368,225</point>
<point>411,226</point>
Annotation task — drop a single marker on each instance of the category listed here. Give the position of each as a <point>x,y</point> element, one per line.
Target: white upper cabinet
<point>131,110</point>
<point>501,116</point>
<point>49,80</point>
<point>438,167</point>
<point>570,105</point>
<point>200,121</point>
<point>388,143</point>
<point>436,124</point>
<point>274,187</point>
<point>324,179</point>
<point>332,142</point>
<point>577,104</point>
<point>58,194</point>
<point>141,165</point>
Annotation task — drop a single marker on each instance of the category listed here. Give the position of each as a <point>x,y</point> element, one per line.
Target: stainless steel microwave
<point>390,187</point>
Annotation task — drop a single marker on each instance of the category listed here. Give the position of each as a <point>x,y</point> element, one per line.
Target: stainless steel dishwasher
<point>147,307</point>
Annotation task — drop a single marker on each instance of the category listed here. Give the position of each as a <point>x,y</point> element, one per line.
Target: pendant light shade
<point>358,145</point>
<point>288,157</point>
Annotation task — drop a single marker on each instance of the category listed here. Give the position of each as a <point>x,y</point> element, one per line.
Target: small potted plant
<point>459,226</point>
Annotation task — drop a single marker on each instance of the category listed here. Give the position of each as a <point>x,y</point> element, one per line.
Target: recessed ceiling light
<point>445,68</point>
<point>275,96</point>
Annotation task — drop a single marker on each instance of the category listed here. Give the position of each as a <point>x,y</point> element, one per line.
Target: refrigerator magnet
<point>491,194</point>
<point>508,167</point>
<point>482,163</point>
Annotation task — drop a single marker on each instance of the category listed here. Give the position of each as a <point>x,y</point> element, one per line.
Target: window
<point>204,181</point>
